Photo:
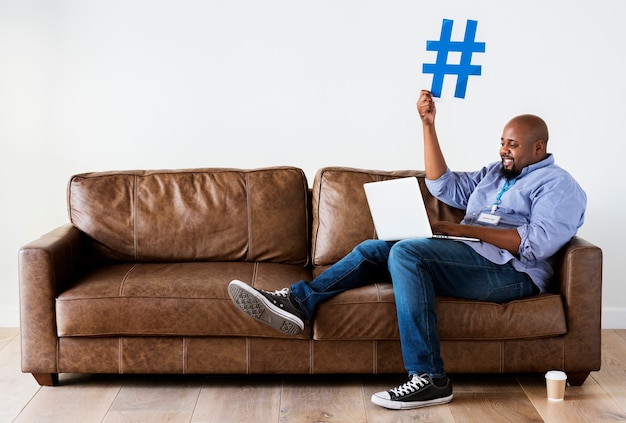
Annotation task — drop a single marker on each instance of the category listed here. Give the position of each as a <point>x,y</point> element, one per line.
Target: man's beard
<point>509,173</point>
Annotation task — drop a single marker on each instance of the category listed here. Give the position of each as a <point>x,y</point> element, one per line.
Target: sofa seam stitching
<point>184,355</point>
<point>312,355</point>
<point>120,354</point>
<point>249,215</point>
<point>135,210</point>
<point>125,278</point>
<point>247,355</point>
<point>375,357</point>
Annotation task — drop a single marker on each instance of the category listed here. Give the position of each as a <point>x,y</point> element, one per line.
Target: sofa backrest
<point>196,214</point>
<point>341,216</point>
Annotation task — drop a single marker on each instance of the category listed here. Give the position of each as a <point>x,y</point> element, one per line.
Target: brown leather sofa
<point>136,283</point>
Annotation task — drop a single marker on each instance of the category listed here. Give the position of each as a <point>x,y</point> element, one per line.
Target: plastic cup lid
<point>556,375</point>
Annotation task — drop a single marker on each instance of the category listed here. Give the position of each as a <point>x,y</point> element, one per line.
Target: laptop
<point>398,210</point>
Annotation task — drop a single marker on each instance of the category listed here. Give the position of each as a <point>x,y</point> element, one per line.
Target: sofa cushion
<point>193,215</point>
<point>165,299</point>
<point>369,313</point>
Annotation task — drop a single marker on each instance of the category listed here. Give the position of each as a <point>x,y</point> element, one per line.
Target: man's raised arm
<point>433,157</point>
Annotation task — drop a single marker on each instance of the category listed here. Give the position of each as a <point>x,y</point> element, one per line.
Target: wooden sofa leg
<point>577,378</point>
<point>47,379</point>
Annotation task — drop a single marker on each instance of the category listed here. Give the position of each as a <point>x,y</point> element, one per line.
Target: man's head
<point>524,142</point>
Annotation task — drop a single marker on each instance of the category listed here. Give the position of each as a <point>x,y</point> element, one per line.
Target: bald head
<point>533,126</point>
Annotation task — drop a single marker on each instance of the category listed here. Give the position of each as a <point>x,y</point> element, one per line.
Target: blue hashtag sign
<point>464,69</point>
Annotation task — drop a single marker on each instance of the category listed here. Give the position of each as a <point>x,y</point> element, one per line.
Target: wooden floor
<point>286,399</point>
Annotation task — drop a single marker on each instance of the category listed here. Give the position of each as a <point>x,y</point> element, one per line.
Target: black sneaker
<point>420,391</point>
<point>272,308</point>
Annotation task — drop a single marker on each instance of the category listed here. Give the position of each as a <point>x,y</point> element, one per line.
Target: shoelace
<point>280,293</point>
<point>412,385</point>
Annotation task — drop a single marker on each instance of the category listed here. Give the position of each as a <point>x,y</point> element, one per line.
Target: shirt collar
<point>548,161</point>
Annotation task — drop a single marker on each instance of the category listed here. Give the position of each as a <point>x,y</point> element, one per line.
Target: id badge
<point>488,218</point>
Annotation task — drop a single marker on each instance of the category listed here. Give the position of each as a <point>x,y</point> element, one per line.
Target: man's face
<point>518,149</point>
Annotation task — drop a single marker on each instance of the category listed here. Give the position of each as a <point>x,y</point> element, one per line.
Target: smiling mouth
<point>507,162</point>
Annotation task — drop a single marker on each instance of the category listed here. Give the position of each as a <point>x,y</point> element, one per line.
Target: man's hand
<point>426,108</point>
<point>447,228</point>
<point>507,239</point>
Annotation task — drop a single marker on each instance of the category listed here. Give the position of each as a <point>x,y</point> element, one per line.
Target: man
<point>523,208</point>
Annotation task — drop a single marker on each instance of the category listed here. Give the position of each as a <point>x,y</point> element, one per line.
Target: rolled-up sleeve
<point>558,210</point>
<point>455,188</point>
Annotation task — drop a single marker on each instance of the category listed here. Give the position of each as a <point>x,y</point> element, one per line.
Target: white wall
<point>90,85</point>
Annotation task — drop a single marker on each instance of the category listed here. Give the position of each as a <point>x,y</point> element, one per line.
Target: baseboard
<point>613,317</point>
<point>9,316</point>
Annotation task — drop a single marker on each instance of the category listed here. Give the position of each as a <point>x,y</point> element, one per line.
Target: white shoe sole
<point>255,305</point>
<point>406,405</point>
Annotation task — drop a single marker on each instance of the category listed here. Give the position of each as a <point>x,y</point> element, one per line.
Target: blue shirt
<point>545,204</point>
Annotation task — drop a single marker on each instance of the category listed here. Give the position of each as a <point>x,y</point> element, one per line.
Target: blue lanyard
<point>507,184</point>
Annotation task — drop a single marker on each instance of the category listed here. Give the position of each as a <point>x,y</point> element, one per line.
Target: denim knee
<point>403,249</point>
<point>374,250</point>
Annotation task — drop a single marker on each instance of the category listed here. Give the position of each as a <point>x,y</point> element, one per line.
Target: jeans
<point>419,269</point>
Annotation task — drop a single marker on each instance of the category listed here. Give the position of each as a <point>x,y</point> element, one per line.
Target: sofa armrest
<point>46,267</point>
<point>579,271</point>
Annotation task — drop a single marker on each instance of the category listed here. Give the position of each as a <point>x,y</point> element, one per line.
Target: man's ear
<point>540,147</point>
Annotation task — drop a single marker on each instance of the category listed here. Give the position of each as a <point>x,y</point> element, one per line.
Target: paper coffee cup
<point>555,384</point>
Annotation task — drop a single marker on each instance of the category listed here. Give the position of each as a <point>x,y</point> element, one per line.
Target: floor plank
<point>612,374</point>
<point>586,403</point>
<point>322,399</point>
<point>7,335</point>
<point>238,399</point>
<point>16,387</point>
<point>493,407</point>
<point>79,399</point>
<point>487,398</point>
<point>138,400</point>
